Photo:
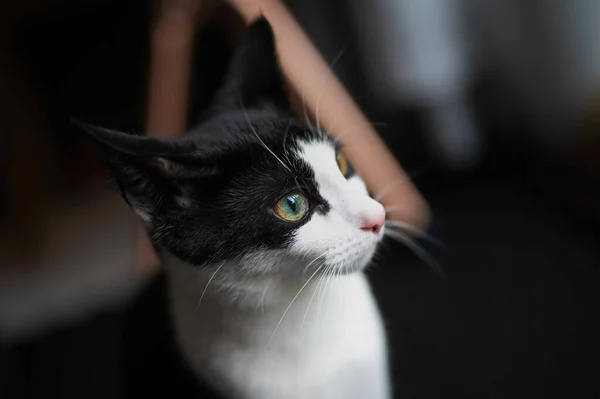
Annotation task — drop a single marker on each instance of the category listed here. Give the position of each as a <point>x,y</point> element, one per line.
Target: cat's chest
<point>336,330</point>
<point>281,338</point>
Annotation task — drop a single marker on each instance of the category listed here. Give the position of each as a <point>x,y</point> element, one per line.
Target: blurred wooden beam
<point>171,57</point>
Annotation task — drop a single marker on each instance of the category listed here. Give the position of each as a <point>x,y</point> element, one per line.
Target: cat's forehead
<point>300,150</point>
<point>253,137</point>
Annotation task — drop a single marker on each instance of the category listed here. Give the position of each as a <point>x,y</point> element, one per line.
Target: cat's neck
<point>215,286</point>
<point>266,312</point>
<point>277,326</point>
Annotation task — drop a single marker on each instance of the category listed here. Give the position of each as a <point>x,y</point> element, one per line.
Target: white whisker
<point>331,67</point>
<point>389,186</point>
<point>262,142</point>
<point>338,57</point>
<point>296,296</point>
<point>207,284</point>
<point>285,133</point>
<point>327,290</point>
<point>317,288</point>
<point>337,273</point>
<point>262,300</point>
<point>317,114</point>
<point>347,132</point>
<point>402,180</point>
<point>304,110</point>
<point>326,279</point>
<point>311,299</point>
<point>394,208</point>
<point>418,250</point>
<point>414,230</point>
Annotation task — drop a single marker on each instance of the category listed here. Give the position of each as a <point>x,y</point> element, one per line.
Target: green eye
<point>292,207</point>
<point>342,164</point>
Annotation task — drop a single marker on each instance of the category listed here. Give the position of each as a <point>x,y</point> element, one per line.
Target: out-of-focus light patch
<point>86,263</point>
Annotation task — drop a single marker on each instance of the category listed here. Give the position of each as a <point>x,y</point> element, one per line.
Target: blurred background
<point>493,105</point>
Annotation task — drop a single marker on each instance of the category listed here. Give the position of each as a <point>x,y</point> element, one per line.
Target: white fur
<point>337,233</point>
<point>300,323</point>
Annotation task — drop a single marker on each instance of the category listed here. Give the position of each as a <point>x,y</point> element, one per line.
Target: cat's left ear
<point>254,76</point>
<point>150,172</point>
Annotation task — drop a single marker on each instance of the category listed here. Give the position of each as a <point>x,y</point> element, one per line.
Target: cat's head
<point>252,179</point>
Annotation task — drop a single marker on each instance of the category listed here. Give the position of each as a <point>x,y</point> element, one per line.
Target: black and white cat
<point>264,229</point>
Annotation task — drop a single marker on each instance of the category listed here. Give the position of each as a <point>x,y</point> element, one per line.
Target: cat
<point>264,229</point>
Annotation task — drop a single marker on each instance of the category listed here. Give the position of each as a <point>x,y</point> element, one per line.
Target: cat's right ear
<point>115,143</point>
<point>254,75</point>
<point>149,171</point>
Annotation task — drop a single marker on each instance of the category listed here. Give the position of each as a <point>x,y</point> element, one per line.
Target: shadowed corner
<point>511,176</point>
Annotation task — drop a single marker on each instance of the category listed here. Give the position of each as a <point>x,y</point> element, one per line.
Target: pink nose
<point>374,220</point>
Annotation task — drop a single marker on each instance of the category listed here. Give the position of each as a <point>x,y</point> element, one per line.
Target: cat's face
<point>250,180</point>
<point>346,232</point>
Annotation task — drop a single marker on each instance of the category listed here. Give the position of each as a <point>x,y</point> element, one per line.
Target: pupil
<point>292,203</point>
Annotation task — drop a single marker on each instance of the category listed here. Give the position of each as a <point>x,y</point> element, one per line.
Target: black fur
<point>229,180</point>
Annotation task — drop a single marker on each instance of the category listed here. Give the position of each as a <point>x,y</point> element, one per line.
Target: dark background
<point>516,316</point>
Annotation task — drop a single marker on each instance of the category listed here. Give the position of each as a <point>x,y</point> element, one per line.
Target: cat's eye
<point>343,164</point>
<point>292,207</point>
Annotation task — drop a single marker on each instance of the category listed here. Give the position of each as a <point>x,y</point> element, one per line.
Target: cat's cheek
<point>322,234</point>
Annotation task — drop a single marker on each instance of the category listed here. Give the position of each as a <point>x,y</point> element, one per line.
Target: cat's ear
<point>149,171</point>
<point>254,75</point>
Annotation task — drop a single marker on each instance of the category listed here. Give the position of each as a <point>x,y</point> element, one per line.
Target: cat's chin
<point>355,264</point>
